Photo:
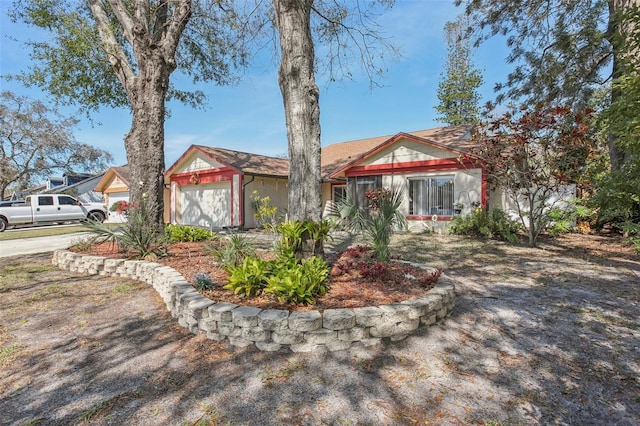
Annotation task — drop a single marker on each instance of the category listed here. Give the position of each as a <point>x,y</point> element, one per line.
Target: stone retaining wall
<point>272,329</point>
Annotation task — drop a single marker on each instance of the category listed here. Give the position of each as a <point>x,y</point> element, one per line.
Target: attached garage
<point>212,187</point>
<point>206,205</point>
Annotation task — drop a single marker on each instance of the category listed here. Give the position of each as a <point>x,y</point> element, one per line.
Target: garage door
<point>116,197</point>
<point>207,205</point>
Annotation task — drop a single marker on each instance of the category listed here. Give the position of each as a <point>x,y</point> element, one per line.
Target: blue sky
<point>249,117</point>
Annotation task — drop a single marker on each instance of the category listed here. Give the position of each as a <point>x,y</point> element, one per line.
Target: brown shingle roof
<point>120,171</point>
<point>249,163</point>
<point>339,155</point>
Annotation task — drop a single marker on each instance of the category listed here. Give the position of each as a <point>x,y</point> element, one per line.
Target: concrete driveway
<point>39,244</point>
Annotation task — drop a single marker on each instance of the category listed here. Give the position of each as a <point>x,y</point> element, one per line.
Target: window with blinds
<point>430,196</point>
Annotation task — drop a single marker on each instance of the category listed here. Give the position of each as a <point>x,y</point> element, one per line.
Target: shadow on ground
<point>538,336</point>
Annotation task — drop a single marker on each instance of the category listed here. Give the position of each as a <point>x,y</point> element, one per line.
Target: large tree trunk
<point>153,35</point>
<point>145,144</point>
<point>300,95</point>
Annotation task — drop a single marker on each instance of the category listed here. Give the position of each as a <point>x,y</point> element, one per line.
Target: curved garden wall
<point>272,329</point>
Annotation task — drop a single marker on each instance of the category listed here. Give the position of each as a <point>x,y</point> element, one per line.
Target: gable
<point>406,151</point>
<point>197,162</point>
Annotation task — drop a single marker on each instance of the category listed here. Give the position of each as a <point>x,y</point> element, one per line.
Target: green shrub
<point>494,224</point>
<point>187,233</point>
<point>560,221</point>
<point>300,283</point>
<point>137,235</point>
<point>232,250</point>
<point>377,223</point>
<point>249,277</point>
<point>295,234</point>
<point>266,214</point>
<point>203,281</point>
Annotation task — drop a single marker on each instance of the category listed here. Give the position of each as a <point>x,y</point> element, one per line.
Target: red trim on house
<point>410,166</point>
<point>393,139</point>
<point>241,201</point>
<point>429,218</point>
<point>484,194</point>
<point>203,176</point>
<point>232,213</point>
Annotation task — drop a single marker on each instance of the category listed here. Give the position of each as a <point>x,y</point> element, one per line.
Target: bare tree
<point>36,142</point>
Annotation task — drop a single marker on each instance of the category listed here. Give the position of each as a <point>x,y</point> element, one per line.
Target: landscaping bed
<point>396,281</point>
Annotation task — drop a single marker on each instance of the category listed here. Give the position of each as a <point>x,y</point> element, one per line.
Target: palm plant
<point>376,224</point>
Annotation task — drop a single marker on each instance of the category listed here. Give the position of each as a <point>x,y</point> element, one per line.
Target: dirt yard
<point>539,336</point>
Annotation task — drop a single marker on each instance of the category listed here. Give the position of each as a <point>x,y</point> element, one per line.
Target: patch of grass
<point>33,422</point>
<point>41,231</point>
<point>282,374</point>
<point>125,287</point>
<point>16,273</point>
<point>46,293</point>
<point>9,354</point>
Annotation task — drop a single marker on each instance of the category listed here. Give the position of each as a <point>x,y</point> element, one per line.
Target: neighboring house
<point>212,187</point>
<point>79,185</point>
<point>114,185</point>
<point>424,164</point>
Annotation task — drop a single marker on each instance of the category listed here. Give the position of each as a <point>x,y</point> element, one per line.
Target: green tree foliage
<point>457,90</point>
<point>122,53</point>
<point>36,142</point>
<point>618,193</point>
<point>531,154</point>
<point>562,51</point>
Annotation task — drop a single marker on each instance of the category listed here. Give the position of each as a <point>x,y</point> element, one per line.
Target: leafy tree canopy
<point>531,154</point>
<point>561,51</point>
<point>75,67</point>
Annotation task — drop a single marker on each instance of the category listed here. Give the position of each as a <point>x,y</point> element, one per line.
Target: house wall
<point>407,159</point>
<point>274,188</point>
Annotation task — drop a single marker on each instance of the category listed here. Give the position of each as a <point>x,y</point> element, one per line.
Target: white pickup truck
<point>48,208</point>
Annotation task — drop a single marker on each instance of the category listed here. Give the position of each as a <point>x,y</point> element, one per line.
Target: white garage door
<point>116,197</point>
<point>207,205</point>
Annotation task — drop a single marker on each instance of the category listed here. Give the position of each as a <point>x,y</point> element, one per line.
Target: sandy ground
<point>539,336</point>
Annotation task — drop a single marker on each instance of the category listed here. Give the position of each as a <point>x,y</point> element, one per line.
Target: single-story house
<point>423,164</point>
<point>114,187</point>
<point>212,187</point>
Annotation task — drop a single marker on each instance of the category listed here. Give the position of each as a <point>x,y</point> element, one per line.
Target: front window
<point>359,186</point>
<point>339,193</point>
<point>67,201</point>
<point>430,196</point>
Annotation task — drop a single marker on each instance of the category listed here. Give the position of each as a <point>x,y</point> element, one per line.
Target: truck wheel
<point>3,224</point>
<point>96,216</point>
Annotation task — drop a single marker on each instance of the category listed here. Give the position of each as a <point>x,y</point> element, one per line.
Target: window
<point>339,193</point>
<point>431,195</point>
<point>359,186</point>
<point>67,201</point>
<point>45,201</point>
